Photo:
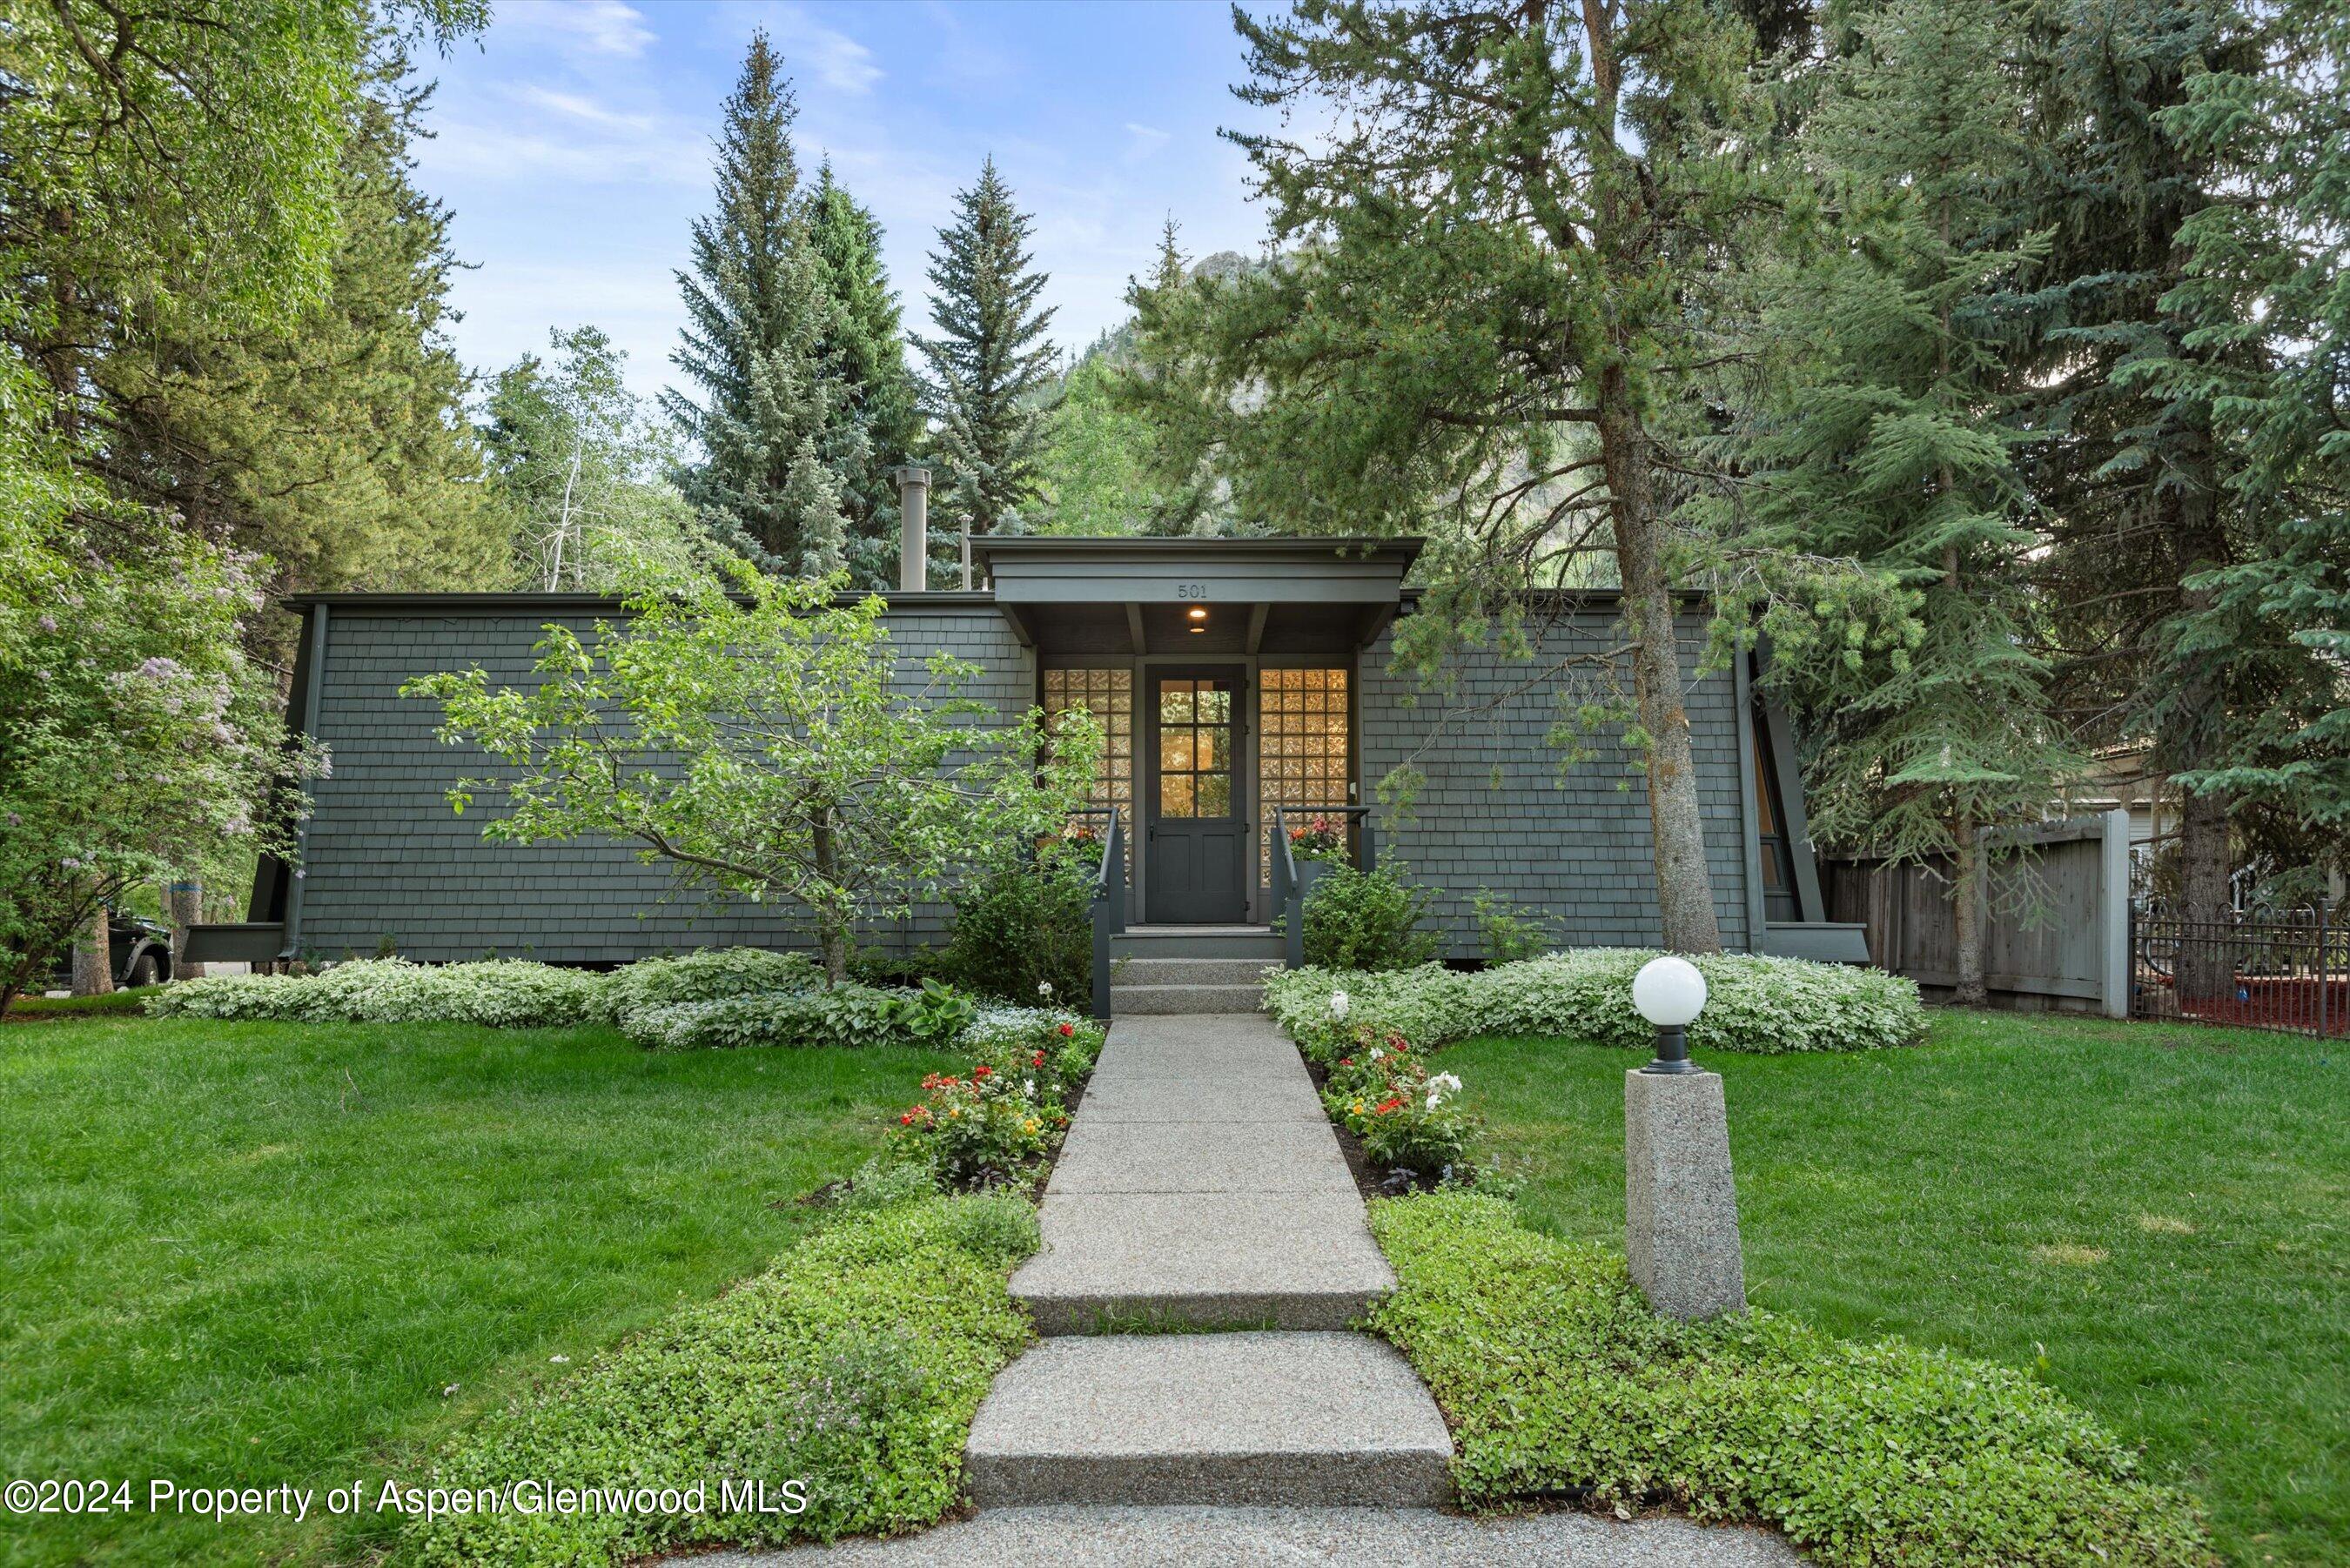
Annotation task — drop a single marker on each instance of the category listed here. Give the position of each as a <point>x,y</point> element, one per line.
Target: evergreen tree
<point>864,353</point>
<point>1489,302</point>
<point>2265,313</point>
<point>991,365</point>
<point>1891,447</point>
<point>758,313</point>
<point>332,439</point>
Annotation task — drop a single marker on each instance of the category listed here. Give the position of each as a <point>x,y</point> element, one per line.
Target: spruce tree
<point>1891,446</point>
<point>873,423</point>
<point>991,365</point>
<point>758,313</point>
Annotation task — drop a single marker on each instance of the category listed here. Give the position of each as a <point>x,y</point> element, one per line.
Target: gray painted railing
<point>1290,886</point>
<point>1109,901</point>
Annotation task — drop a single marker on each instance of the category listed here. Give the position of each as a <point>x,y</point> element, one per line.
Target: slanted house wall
<point>388,862</point>
<point>1498,810</point>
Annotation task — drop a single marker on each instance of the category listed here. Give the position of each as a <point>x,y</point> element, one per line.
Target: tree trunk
<point>1967,911</point>
<point>1677,828</point>
<point>183,906</point>
<point>2194,737</point>
<point>93,959</point>
<point>831,927</point>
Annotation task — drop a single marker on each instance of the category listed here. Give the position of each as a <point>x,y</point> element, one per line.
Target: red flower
<point>1068,1029</point>
<point>1346,1061</point>
<point>906,1120</point>
<point>982,1071</point>
<point>1391,1104</point>
<point>1037,1060</point>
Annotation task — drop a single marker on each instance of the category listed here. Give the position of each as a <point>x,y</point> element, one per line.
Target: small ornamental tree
<point>767,743</point>
<point>136,740</point>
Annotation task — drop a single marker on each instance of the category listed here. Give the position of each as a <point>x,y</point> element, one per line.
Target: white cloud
<point>838,61</point>
<point>579,108</point>
<point>581,27</point>
<point>1148,139</point>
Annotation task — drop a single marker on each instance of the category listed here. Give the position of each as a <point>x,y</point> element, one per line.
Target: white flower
<point>1339,1002</point>
<point>560,1360</point>
<point>1043,988</point>
<point>1376,1053</point>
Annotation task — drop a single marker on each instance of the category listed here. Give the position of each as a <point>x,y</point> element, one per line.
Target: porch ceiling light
<point>1199,613</point>
<point>1669,993</point>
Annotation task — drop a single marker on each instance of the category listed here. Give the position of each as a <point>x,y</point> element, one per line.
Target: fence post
<point>2114,912</point>
<point>2324,973</point>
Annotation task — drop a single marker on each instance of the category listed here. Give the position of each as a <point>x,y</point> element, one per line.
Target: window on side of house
<point>1303,754</point>
<point>1109,695</point>
<point>1778,857</point>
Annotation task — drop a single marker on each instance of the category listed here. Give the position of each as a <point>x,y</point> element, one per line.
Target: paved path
<point>1202,1186</point>
<point>1202,1190</point>
<point>1231,1537</point>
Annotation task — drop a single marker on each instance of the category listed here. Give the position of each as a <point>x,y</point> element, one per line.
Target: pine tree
<point>1891,446</point>
<point>758,313</point>
<point>990,364</point>
<point>333,439</point>
<point>864,352</point>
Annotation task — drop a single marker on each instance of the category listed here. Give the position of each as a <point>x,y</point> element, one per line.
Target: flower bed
<point>1410,1121</point>
<point>998,1120</point>
<point>1556,1378</point>
<point>854,1364</point>
<point>1756,1004</point>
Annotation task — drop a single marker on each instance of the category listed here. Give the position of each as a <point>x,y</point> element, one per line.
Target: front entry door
<point>1195,837</point>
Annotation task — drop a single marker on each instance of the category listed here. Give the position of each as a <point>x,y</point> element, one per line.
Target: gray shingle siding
<point>1574,842</point>
<point>386,860</point>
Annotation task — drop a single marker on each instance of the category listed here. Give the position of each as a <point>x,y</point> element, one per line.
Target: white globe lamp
<point>1669,993</point>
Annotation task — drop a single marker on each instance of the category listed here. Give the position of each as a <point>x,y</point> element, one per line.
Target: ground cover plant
<point>1753,1003</point>
<point>253,1252</point>
<point>853,1365</point>
<point>2148,1218</point>
<point>1554,1376</point>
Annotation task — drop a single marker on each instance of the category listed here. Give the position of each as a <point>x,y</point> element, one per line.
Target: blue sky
<point>573,146</point>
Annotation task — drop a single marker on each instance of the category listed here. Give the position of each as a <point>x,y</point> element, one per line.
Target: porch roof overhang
<point>1203,596</point>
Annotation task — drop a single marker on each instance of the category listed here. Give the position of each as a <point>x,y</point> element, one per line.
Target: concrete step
<point>1198,941</point>
<point>1140,971</point>
<point>1128,1261</point>
<point>1170,999</point>
<point>1252,1419</point>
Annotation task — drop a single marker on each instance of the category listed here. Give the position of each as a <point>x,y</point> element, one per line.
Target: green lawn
<point>2156,1219</point>
<point>252,1253</point>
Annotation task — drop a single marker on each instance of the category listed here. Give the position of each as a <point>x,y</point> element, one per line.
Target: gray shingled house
<point>1233,678</point>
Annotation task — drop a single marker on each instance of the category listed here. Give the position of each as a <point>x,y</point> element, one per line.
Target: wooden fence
<point>2055,908</point>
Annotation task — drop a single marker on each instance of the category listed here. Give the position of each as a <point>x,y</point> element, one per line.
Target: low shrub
<point>705,976</point>
<point>1019,926</point>
<point>854,1364</point>
<point>1753,1004</point>
<point>498,993</point>
<point>1410,1121</point>
<point>1508,932</point>
<point>842,1016</point>
<point>1554,1376</point>
<point>991,1124</point>
<point>1366,919</point>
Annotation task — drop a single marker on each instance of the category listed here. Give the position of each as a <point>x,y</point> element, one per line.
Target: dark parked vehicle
<point>140,949</point>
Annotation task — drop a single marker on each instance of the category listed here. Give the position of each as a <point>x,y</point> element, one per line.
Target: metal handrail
<point>1108,900</point>
<point>1288,895</point>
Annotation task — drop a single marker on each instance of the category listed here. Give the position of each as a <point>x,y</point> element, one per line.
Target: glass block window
<point>1109,695</point>
<point>1303,759</point>
<point>1195,748</point>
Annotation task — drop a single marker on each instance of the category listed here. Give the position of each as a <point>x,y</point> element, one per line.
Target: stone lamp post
<point>1680,1209</point>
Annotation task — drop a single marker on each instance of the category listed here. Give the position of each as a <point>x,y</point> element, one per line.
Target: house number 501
<point>1191,590</point>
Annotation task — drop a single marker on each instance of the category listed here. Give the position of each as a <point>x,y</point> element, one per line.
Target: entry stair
<point>1158,971</point>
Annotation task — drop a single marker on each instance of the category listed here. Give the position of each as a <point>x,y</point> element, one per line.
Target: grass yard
<point>253,1253</point>
<point>2153,1218</point>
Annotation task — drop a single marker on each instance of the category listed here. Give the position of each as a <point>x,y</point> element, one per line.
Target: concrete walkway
<point>1201,1188</point>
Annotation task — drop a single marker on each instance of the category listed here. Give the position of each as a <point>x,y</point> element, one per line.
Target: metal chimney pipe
<point>914,527</point>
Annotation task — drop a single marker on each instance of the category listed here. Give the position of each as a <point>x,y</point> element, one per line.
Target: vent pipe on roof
<point>914,527</point>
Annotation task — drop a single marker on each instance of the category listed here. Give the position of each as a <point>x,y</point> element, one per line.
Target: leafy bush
<point>704,976</point>
<point>1508,932</point>
<point>1020,926</point>
<point>499,993</point>
<point>991,1124</point>
<point>1753,1003</point>
<point>856,1363</point>
<point>1409,1119</point>
<point>1366,919</point>
<point>1553,1373</point>
<point>843,1016</point>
